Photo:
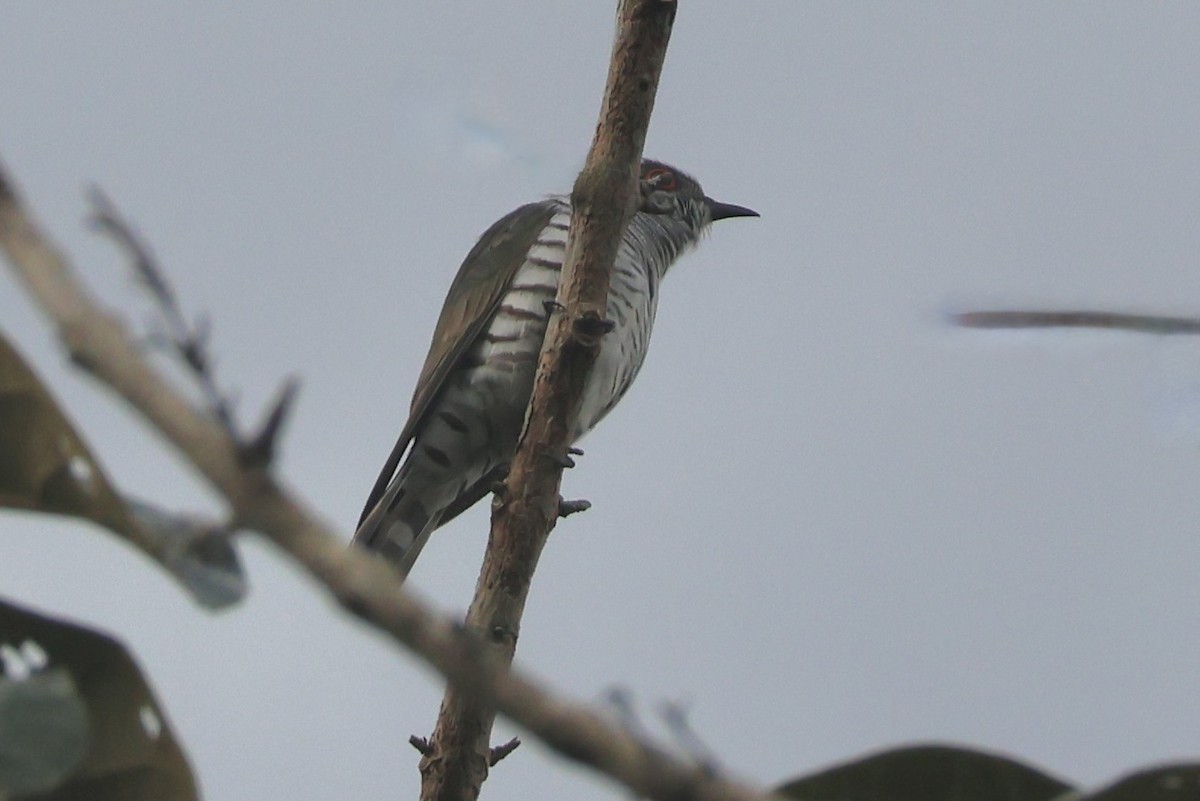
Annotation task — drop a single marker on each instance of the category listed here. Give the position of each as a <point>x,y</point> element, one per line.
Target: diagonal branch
<point>603,201</point>
<point>100,342</point>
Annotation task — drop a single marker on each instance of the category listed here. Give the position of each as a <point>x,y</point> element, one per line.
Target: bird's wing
<point>482,280</point>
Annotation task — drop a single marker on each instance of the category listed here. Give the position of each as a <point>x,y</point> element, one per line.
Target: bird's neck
<point>656,239</point>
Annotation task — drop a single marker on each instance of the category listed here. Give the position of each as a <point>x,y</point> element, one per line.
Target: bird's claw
<point>591,327</point>
<point>563,460</point>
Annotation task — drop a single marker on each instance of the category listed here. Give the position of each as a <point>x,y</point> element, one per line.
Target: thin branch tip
<point>107,219</point>
<point>187,341</point>
<point>675,716</point>
<point>260,450</point>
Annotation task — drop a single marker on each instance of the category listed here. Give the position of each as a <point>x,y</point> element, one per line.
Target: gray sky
<point>823,520</point>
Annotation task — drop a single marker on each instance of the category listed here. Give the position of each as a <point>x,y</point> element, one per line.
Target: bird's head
<point>666,190</point>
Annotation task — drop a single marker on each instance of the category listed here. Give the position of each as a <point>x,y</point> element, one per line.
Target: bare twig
<point>107,219</point>
<point>187,341</point>
<point>604,199</point>
<point>675,716</point>
<point>362,583</point>
<point>621,701</point>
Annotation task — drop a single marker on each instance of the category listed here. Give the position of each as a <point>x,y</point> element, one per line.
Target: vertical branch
<point>603,201</point>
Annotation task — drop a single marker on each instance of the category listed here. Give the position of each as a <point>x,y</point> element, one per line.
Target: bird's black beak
<point>720,211</point>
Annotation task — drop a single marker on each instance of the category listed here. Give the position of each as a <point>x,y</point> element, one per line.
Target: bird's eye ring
<point>660,178</point>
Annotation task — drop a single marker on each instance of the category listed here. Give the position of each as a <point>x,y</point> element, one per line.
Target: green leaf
<point>132,754</point>
<point>927,773</point>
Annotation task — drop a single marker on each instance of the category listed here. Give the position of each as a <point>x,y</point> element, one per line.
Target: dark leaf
<point>927,773</point>
<point>1171,783</point>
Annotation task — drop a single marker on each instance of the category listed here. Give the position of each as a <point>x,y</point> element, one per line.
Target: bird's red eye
<point>660,178</point>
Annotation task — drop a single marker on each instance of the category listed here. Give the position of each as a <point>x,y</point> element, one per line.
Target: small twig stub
<point>259,450</point>
<point>499,752</point>
<point>567,508</point>
<point>421,744</point>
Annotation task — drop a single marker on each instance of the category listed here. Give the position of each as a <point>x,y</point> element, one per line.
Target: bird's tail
<point>398,526</point>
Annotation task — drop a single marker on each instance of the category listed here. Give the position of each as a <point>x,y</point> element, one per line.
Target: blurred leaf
<point>203,558</point>
<point>927,773</point>
<point>48,468</point>
<point>132,754</point>
<point>1170,783</point>
<point>43,732</point>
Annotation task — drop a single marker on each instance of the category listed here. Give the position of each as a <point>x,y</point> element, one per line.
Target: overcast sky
<point>823,519</point>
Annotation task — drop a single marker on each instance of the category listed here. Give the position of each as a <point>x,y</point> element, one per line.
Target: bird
<point>470,401</point>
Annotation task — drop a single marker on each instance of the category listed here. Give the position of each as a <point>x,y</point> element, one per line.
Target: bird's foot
<point>563,460</point>
<point>591,327</point>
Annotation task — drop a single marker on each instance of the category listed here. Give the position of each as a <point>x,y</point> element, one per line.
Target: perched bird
<point>469,405</point>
